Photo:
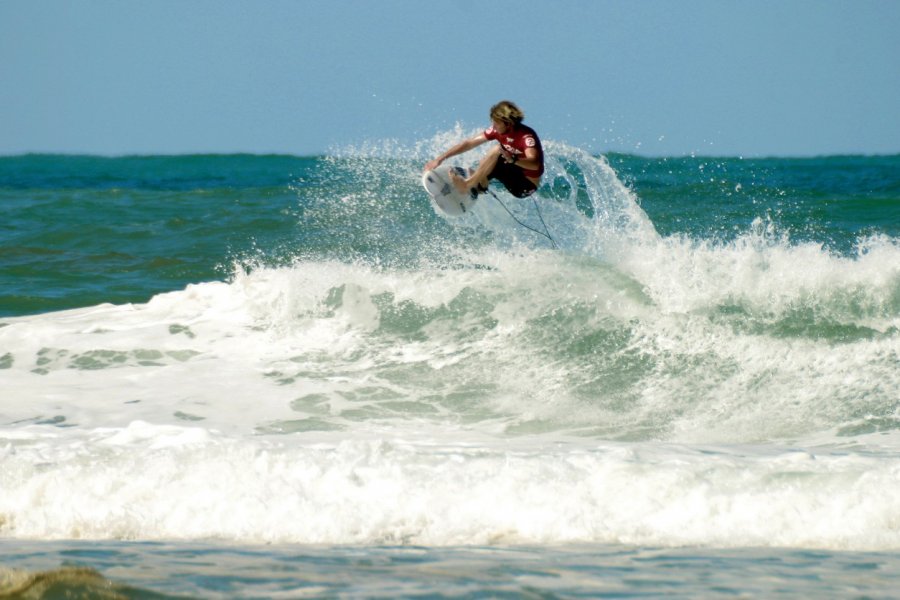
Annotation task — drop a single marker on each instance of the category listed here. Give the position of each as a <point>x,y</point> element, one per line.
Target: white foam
<point>771,276</point>
<point>311,341</point>
<point>329,402</point>
<point>386,491</point>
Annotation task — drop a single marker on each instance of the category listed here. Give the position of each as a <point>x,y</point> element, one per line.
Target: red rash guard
<point>516,141</point>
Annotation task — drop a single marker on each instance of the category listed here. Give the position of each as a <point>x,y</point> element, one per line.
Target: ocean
<point>246,376</point>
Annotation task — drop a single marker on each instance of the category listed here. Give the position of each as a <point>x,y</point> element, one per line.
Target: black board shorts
<point>513,178</point>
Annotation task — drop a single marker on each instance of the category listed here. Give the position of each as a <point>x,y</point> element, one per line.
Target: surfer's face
<point>499,126</point>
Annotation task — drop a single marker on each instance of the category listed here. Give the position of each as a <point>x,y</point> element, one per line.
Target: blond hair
<point>507,112</point>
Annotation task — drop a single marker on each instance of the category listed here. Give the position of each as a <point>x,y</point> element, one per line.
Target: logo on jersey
<point>529,142</point>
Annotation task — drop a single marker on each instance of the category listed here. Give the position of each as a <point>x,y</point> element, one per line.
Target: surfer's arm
<point>530,161</point>
<point>463,146</point>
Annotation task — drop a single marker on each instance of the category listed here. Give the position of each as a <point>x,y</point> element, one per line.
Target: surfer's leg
<point>479,179</point>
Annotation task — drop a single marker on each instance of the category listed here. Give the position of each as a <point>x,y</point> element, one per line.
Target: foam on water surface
<point>629,389</point>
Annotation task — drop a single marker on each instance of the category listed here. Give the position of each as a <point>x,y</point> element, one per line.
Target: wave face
<point>326,360</point>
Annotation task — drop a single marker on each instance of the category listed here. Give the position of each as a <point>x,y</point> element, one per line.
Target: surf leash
<point>545,233</point>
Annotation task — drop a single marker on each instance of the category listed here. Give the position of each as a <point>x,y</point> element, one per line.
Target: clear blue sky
<point>654,77</point>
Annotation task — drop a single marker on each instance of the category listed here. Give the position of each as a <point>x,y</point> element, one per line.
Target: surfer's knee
<point>490,159</point>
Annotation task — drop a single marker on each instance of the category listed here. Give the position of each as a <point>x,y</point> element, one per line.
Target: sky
<point>650,77</point>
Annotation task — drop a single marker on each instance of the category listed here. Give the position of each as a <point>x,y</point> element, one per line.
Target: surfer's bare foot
<point>461,185</point>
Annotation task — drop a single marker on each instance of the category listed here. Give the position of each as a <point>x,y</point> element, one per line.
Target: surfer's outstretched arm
<point>460,148</point>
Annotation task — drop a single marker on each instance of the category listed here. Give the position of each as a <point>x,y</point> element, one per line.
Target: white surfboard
<point>444,195</point>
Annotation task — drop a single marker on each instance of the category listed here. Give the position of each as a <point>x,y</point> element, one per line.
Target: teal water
<point>832,200</point>
<point>83,230</point>
<point>278,376</point>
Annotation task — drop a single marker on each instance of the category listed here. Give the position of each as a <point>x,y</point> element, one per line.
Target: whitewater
<point>393,379</point>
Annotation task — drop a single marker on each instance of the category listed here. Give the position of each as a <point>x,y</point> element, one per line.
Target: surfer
<point>517,162</point>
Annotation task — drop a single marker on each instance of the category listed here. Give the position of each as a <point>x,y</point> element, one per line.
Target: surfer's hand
<point>433,164</point>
